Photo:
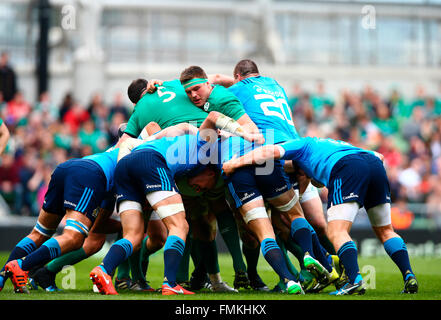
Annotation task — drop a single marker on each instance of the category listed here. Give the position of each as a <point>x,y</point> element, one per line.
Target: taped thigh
<point>345,211</point>
<point>156,196</point>
<point>169,210</point>
<point>311,192</point>
<point>255,213</point>
<point>77,226</point>
<point>129,205</point>
<point>43,230</point>
<point>289,205</point>
<point>380,215</point>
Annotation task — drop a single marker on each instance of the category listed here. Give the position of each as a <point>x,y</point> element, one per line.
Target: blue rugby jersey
<point>265,102</point>
<point>317,156</point>
<point>182,153</point>
<point>107,161</point>
<point>225,149</point>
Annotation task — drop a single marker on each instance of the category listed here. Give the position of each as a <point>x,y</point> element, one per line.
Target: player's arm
<point>216,120</point>
<point>127,146</point>
<point>153,84</point>
<point>4,137</point>
<point>256,156</point>
<point>248,124</point>
<point>221,79</point>
<point>174,131</point>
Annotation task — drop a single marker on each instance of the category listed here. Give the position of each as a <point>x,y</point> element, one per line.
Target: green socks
<point>69,258</point>
<point>228,229</point>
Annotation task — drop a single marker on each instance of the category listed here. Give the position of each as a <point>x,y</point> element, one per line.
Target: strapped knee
<point>288,206</point>
<point>77,226</point>
<point>43,230</point>
<point>169,210</point>
<point>256,213</point>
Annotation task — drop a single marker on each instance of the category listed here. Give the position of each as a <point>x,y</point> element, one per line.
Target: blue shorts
<point>359,178</point>
<point>140,173</point>
<point>244,185</point>
<point>77,184</point>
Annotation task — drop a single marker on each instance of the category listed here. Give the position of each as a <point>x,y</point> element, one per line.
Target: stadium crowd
<point>406,131</point>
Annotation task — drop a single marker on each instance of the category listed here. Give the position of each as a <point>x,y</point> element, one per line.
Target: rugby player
<point>265,103</point>
<point>248,191</point>
<point>207,96</point>
<point>355,178</point>
<point>106,223</point>
<point>168,106</point>
<point>77,187</point>
<point>148,170</point>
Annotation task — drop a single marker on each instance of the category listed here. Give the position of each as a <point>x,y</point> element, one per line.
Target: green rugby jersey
<point>225,102</point>
<point>167,106</point>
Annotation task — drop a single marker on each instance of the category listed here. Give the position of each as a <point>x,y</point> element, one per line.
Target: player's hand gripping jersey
<point>167,106</point>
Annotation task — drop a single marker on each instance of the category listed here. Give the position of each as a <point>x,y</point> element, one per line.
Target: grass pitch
<point>383,277</point>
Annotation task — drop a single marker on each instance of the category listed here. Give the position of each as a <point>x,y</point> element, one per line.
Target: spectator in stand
<point>410,179</point>
<point>412,126</point>
<point>25,196</point>
<point>116,119</point>
<point>99,112</point>
<point>392,156</point>
<point>118,106</point>
<point>75,117</point>
<point>9,181</point>
<point>38,184</point>
<point>49,111</point>
<point>434,200</point>
<point>383,120</point>
<point>17,110</point>
<point>8,82</point>
<point>91,136</point>
<point>320,98</point>
<point>66,105</point>
<point>62,137</point>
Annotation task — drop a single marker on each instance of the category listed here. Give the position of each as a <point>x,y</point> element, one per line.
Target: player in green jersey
<point>167,106</point>
<point>211,97</point>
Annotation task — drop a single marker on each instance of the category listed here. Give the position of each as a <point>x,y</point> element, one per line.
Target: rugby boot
<point>411,283</point>
<point>18,276</point>
<point>102,281</point>
<point>167,290</point>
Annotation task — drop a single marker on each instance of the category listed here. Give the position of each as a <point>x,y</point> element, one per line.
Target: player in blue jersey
<point>355,178</point>
<point>106,223</point>
<point>205,208</point>
<point>77,187</point>
<point>265,102</point>
<point>273,185</point>
<point>248,192</point>
<point>147,170</point>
